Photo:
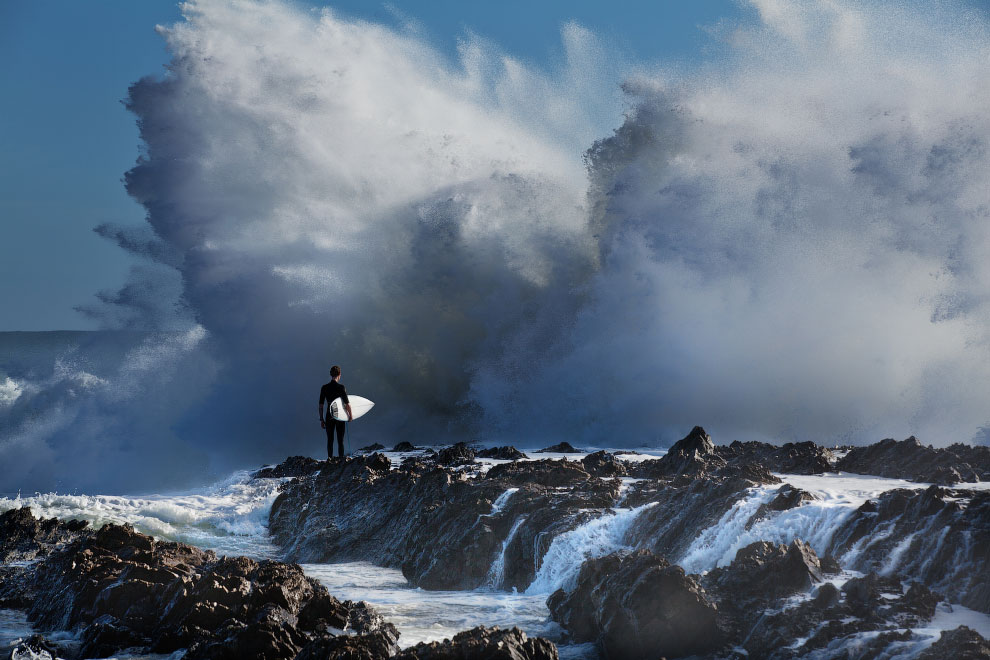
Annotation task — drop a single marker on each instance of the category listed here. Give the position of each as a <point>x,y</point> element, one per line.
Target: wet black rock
<point>404,446</point>
<point>458,454</point>
<point>562,448</point>
<point>696,454</point>
<point>763,572</point>
<point>24,537</point>
<point>507,453</point>
<point>789,458</point>
<point>692,454</point>
<point>546,472</point>
<point>421,518</point>
<point>603,464</point>
<point>294,466</point>
<point>789,497</point>
<point>122,589</point>
<point>371,646</point>
<point>433,522</point>
<point>773,628</point>
<point>372,448</point>
<point>936,536</point>
<point>107,634</point>
<point>911,460</point>
<point>484,644</point>
<point>963,643</point>
<point>638,605</point>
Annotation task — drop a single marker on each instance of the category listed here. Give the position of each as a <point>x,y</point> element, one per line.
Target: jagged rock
<point>789,497</point>
<point>919,601</point>
<point>763,572</point>
<point>636,606</point>
<point>24,537</point>
<point>123,589</point>
<point>909,459</point>
<point>507,453</point>
<point>872,604</point>
<point>372,448</point>
<point>603,464</point>
<point>942,539</point>
<point>484,644</point>
<point>546,472</point>
<point>294,466</point>
<point>692,454</point>
<point>562,448</point>
<point>696,453</point>
<point>374,646</point>
<point>404,446</point>
<point>459,454</point>
<point>434,523</point>
<point>106,634</point>
<point>789,458</point>
<point>423,520</point>
<point>963,643</point>
<point>863,595</point>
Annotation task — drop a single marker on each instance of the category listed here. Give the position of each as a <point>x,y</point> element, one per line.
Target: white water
<point>839,495</point>
<point>596,538</point>
<point>502,500</point>
<point>947,617</point>
<point>496,574</point>
<point>426,616</point>
<point>231,518</point>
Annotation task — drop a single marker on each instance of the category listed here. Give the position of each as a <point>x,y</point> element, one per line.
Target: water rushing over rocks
<point>773,569</point>
<point>745,550</point>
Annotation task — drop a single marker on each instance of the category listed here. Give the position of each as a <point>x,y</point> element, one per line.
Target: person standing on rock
<point>329,393</point>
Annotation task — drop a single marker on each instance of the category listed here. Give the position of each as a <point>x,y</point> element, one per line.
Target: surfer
<point>329,393</point>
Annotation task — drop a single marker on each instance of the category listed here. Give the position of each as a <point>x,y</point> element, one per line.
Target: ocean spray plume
<point>95,410</point>
<point>793,242</point>
<point>338,192</point>
<point>785,244</point>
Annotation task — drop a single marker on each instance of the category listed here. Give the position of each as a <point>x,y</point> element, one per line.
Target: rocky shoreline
<point>448,524</point>
<point>881,572</point>
<point>125,592</point>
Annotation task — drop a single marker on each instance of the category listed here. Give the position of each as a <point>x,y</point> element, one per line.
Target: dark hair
<point>334,371</point>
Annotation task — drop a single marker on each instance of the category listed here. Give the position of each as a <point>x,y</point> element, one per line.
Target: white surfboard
<point>359,406</point>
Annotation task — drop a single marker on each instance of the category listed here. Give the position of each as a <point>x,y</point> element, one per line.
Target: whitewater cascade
<point>559,566</point>
<point>496,574</point>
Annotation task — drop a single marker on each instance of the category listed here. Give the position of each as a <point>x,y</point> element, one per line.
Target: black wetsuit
<point>329,393</point>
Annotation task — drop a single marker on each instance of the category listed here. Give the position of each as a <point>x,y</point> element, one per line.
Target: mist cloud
<point>787,243</point>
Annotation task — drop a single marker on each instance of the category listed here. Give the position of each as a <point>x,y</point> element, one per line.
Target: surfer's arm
<point>350,417</point>
<point>322,422</point>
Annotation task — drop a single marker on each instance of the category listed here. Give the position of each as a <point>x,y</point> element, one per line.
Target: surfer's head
<point>335,371</point>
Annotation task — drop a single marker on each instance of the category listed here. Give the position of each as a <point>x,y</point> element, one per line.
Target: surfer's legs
<point>331,425</point>
<point>337,426</point>
<point>341,429</point>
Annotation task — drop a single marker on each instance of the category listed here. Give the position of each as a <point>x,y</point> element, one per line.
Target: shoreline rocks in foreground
<point>447,523</point>
<point>122,590</point>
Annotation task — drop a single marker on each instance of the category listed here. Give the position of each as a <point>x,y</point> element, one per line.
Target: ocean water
<point>230,518</point>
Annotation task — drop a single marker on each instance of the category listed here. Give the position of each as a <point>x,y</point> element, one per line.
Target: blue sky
<point>67,139</point>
